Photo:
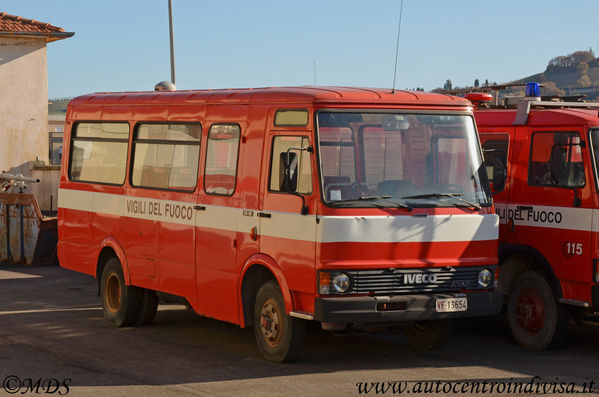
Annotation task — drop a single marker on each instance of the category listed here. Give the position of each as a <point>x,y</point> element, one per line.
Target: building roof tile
<point>13,23</point>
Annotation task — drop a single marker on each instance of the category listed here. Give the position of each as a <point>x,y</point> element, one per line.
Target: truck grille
<point>406,281</point>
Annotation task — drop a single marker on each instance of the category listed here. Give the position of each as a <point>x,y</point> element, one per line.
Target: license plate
<point>452,304</point>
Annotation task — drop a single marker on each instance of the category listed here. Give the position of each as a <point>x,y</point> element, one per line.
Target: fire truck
<point>542,156</point>
<point>271,207</point>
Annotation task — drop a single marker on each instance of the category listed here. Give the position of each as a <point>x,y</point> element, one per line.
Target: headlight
<point>334,282</point>
<point>484,278</point>
<point>341,282</point>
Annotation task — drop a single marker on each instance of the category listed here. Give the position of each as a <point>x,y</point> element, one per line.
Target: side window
<point>99,152</point>
<point>300,178</point>
<point>221,159</point>
<point>291,117</point>
<point>166,156</point>
<point>495,160</point>
<point>556,160</point>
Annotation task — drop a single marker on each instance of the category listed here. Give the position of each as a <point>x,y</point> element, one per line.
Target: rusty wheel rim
<point>113,293</point>
<point>530,310</point>
<point>271,322</point>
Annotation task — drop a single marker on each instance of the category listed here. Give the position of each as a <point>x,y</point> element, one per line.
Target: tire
<point>120,303</point>
<point>536,319</point>
<point>279,336</point>
<point>148,305</point>
<point>430,334</point>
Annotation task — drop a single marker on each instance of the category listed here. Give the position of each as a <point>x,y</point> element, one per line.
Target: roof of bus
<point>538,117</point>
<point>305,94</point>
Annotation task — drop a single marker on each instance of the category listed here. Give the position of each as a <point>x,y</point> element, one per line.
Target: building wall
<point>23,103</point>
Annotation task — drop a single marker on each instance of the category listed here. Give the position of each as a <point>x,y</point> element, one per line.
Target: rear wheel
<point>536,319</point>
<point>148,305</point>
<point>279,336</point>
<point>430,334</point>
<point>120,302</point>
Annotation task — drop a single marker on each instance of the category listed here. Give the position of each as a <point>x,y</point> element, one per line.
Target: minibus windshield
<point>372,159</point>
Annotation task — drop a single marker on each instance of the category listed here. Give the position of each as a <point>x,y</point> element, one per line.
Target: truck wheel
<point>279,336</point>
<point>430,334</point>
<point>536,319</point>
<point>120,302</point>
<point>148,305</point>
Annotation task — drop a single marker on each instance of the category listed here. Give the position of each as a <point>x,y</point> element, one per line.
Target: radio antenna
<point>397,47</point>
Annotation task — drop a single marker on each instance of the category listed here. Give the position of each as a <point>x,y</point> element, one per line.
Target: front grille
<point>405,281</point>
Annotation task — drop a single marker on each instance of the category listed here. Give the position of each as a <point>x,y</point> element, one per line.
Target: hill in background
<point>58,106</point>
<point>573,74</point>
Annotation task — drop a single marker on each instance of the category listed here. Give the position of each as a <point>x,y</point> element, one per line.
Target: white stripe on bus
<point>294,226</point>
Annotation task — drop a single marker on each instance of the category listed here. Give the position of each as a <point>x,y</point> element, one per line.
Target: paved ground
<point>51,328</point>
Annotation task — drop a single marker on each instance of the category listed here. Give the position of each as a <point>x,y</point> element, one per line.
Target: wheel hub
<point>270,322</point>
<point>530,310</point>
<point>113,293</point>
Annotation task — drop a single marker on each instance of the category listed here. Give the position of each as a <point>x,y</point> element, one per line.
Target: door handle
<point>264,215</point>
<point>199,207</point>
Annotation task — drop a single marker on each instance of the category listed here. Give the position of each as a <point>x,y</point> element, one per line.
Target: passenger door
<point>165,173</point>
<point>218,215</point>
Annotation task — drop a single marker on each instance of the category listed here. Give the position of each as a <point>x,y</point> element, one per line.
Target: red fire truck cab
<point>549,241</point>
<point>270,207</point>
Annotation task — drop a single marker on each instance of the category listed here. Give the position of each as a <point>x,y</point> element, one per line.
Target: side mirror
<point>499,175</point>
<point>289,171</point>
<point>495,165</point>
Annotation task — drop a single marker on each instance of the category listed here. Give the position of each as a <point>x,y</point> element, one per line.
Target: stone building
<point>24,134</point>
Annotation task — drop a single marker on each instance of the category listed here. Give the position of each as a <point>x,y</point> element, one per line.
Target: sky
<point>123,45</point>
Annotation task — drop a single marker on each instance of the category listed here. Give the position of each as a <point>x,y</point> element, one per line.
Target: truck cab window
<point>301,177</point>
<point>556,160</point>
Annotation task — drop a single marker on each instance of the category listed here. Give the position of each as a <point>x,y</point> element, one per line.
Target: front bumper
<point>404,308</point>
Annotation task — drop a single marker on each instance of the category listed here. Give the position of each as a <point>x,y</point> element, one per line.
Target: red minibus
<point>271,207</point>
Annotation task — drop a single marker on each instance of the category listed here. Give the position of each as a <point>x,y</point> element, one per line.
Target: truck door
<point>286,235</point>
<point>550,206</point>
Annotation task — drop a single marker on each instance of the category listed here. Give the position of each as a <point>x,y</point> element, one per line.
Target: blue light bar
<point>533,90</point>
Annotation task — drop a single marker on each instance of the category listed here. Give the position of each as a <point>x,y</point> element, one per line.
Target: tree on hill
<point>550,88</point>
<point>584,81</point>
<point>569,63</point>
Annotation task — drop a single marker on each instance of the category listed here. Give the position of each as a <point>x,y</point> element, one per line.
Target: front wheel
<point>279,336</point>
<point>120,303</point>
<point>429,335</point>
<point>536,319</point>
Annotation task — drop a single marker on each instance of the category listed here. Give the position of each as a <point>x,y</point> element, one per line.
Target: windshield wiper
<point>441,195</point>
<point>372,198</point>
